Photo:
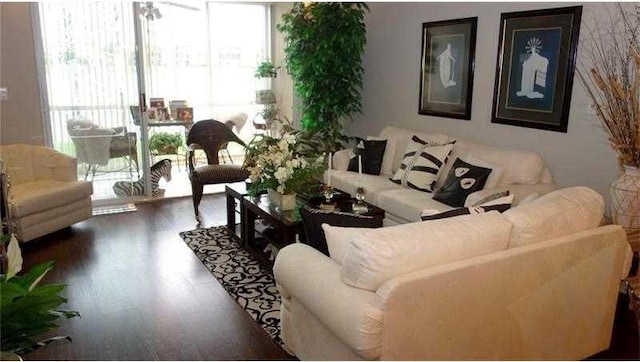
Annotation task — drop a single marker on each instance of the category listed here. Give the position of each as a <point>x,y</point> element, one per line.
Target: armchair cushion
<point>33,197</point>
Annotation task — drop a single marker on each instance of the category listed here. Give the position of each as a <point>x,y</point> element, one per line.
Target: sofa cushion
<point>347,181</point>
<point>38,196</point>
<point>496,170</point>
<point>462,180</point>
<point>555,214</point>
<point>385,253</point>
<point>407,203</point>
<point>520,167</point>
<point>421,164</point>
<point>338,239</point>
<point>312,220</point>
<point>402,136</point>
<point>370,153</point>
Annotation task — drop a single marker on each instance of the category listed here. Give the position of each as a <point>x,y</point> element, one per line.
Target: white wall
<point>283,85</point>
<point>581,156</point>
<point>21,119</point>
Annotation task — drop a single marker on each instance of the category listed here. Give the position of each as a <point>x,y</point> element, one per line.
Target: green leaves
<point>28,309</point>
<point>324,43</point>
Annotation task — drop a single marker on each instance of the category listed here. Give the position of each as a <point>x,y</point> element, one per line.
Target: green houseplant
<point>164,143</point>
<point>266,69</point>
<point>324,43</point>
<point>28,309</point>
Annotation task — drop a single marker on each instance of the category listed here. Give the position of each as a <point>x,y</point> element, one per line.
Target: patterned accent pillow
<point>501,204</point>
<point>463,179</point>
<point>421,164</point>
<point>491,197</point>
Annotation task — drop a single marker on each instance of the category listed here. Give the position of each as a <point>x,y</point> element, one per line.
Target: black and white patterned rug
<point>247,280</point>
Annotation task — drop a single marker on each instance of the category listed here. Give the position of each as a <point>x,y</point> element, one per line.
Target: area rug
<point>245,278</point>
<point>114,209</point>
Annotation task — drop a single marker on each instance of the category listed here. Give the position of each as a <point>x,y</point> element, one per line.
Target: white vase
<point>625,199</point>
<point>282,202</point>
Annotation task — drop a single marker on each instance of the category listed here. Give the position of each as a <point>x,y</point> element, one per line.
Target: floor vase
<point>625,202</point>
<point>283,202</point>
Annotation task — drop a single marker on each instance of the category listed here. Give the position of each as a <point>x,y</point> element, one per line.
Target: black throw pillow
<point>371,152</point>
<point>312,220</point>
<point>463,179</point>
<point>465,211</point>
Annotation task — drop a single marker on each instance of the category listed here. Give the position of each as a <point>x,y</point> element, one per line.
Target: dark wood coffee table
<point>287,224</point>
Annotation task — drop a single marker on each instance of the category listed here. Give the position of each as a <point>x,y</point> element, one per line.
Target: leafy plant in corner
<point>28,309</point>
<point>266,69</point>
<point>324,43</point>
<point>164,143</point>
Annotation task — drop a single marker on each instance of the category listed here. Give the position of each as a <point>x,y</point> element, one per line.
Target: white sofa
<point>44,194</point>
<point>524,173</point>
<point>537,282</point>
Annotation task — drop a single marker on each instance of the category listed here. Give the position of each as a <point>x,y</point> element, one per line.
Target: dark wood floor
<point>143,294</point>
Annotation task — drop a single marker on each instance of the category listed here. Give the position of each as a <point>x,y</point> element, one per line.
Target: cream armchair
<point>44,193</point>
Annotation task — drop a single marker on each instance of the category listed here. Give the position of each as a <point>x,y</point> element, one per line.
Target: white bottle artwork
<point>446,62</point>
<point>534,71</point>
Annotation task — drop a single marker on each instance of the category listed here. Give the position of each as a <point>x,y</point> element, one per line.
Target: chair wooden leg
<point>196,192</point>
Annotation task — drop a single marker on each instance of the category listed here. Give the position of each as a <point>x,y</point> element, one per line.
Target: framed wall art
<point>535,66</point>
<point>447,62</point>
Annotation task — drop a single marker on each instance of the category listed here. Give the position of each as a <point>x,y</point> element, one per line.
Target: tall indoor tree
<point>324,43</point>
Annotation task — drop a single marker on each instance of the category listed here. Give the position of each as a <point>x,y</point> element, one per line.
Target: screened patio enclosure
<point>92,76</point>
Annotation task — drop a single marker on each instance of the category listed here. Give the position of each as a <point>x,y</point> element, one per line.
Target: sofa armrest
<point>554,299</point>
<point>312,278</point>
<point>519,192</point>
<point>341,159</point>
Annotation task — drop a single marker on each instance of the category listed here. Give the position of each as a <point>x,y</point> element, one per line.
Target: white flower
<point>280,189</point>
<point>289,138</point>
<point>282,175</point>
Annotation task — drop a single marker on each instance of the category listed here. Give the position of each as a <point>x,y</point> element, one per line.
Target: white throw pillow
<point>389,153</point>
<point>385,253</point>
<point>338,240</point>
<point>555,214</point>
<point>421,164</point>
<point>496,170</point>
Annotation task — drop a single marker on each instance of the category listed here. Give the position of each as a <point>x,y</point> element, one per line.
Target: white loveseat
<point>522,173</point>
<point>538,282</point>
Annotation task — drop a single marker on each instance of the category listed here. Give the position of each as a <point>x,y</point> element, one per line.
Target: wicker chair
<point>210,135</point>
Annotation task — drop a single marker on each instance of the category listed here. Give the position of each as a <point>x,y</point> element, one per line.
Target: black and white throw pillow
<point>371,152</point>
<point>500,204</point>
<point>463,179</point>
<point>492,197</point>
<point>421,164</point>
<point>312,220</point>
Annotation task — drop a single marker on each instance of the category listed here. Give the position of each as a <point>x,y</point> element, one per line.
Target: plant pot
<point>625,199</point>
<point>282,202</point>
<point>167,150</point>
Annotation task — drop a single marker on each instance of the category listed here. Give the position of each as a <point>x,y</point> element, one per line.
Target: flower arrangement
<point>286,164</point>
<point>610,74</point>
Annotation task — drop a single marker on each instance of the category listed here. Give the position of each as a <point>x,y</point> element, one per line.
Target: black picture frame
<point>446,87</point>
<point>535,68</point>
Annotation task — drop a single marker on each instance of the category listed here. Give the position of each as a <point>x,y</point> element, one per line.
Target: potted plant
<point>609,70</point>
<point>324,43</point>
<point>28,308</point>
<point>283,166</point>
<point>164,143</point>
<point>266,69</point>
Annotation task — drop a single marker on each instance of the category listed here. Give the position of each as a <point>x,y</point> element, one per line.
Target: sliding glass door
<point>201,53</point>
